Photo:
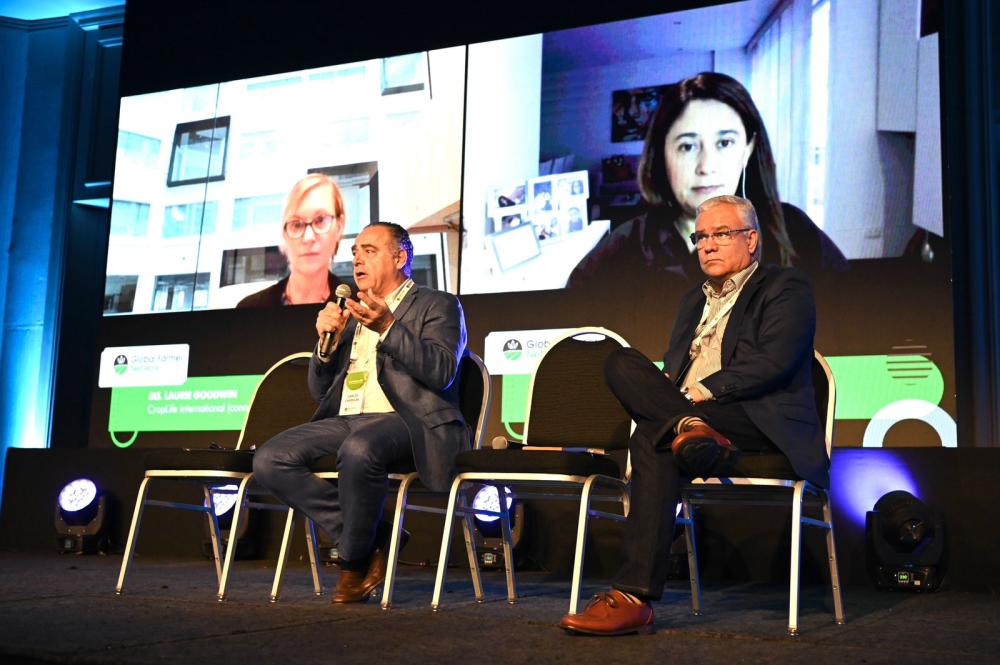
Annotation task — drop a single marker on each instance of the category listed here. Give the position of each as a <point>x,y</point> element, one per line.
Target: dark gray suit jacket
<point>417,366</point>
<point>767,353</point>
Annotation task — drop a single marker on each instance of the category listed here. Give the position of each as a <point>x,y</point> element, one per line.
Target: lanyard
<point>393,302</point>
<point>705,329</point>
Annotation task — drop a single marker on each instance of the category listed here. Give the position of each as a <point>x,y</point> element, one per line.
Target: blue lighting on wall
<point>32,259</point>
<point>858,478</point>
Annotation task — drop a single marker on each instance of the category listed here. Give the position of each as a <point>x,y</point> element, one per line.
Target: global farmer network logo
<point>121,364</point>
<point>512,349</point>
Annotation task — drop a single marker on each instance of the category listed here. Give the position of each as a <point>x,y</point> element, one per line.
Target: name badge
<point>353,395</point>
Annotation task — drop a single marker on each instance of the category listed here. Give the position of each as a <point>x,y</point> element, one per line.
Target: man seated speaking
<point>388,401</point>
<point>737,380</point>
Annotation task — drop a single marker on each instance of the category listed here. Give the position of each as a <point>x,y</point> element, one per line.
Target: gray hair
<point>746,211</point>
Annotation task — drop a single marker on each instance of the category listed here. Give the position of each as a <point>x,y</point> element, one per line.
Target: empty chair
<point>573,424</point>
<point>280,401</point>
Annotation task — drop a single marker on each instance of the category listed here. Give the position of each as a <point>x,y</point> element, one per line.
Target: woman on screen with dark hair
<point>312,225</point>
<point>706,139</point>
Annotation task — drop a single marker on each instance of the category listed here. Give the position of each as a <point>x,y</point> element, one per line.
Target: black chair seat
<point>207,459</point>
<point>536,461</point>
<point>777,466</point>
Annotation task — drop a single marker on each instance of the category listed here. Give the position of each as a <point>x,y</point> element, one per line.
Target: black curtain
<point>970,98</point>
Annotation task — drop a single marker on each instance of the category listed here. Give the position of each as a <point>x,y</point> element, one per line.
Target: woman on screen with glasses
<point>311,229</point>
<point>706,139</point>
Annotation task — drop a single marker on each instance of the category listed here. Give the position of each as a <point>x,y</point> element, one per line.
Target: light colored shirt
<point>706,347</point>
<point>364,352</point>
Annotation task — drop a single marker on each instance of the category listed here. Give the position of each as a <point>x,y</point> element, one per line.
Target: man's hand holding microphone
<point>330,322</point>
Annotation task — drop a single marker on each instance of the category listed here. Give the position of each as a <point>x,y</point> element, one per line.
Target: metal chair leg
<point>214,532</point>
<point>581,545</point>
<point>831,552</point>
<point>133,532</point>
<point>692,552</point>
<point>449,519</point>
<point>279,567</point>
<point>394,541</point>
<point>793,585</point>
<point>312,546</point>
<point>508,548</point>
<point>468,531</point>
<point>238,509</point>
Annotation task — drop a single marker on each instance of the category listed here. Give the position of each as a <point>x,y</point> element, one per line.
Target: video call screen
<point>556,123</point>
<point>202,175</point>
<point>554,127</point>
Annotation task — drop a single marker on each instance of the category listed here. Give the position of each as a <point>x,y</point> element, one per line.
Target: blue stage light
<point>223,506</point>
<point>77,495</point>
<point>904,543</point>
<point>223,499</point>
<point>487,533</point>
<point>488,498</point>
<point>79,518</point>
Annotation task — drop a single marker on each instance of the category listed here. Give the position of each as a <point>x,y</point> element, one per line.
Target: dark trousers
<point>349,508</point>
<point>657,405</point>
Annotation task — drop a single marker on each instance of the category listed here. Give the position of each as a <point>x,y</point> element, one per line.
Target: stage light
<point>224,505</point>
<point>80,518</point>
<point>488,498</point>
<point>77,495</point>
<point>904,543</point>
<point>487,532</point>
<point>223,500</point>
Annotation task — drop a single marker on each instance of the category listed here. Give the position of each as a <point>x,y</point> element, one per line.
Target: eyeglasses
<point>296,228</point>
<point>720,237</point>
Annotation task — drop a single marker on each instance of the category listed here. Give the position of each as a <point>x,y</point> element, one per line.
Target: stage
<point>62,609</point>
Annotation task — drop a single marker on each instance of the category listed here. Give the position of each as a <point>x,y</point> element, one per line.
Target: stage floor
<point>62,609</point>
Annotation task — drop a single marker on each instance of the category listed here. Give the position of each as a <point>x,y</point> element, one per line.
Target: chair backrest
<point>475,395</point>
<point>281,401</point>
<point>825,389</point>
<point>569,402</point>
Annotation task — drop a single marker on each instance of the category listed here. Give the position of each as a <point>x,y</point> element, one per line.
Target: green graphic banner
<point>865,384</point>
<point>202,403</point>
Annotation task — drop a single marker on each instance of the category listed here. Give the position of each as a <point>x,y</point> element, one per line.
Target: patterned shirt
<point>706,347</point>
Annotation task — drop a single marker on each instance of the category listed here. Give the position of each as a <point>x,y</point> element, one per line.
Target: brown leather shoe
<point>701,449</point>
<point>357,586</point>
<point>611,613</point>
<point>351,587</point>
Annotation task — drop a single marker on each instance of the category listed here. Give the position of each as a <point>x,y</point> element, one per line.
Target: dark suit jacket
<point>417,365</point>
<point>767,353</point>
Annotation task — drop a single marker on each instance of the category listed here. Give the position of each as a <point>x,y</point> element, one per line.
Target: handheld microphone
<point>503,443</point>
<point>343,292</point>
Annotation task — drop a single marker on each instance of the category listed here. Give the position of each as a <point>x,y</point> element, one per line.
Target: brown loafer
<point>611,613</point>
<point>701,449</point>
<point>357,586</point>
<point>352,587</point>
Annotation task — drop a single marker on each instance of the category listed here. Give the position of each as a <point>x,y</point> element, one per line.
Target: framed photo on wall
<point>632,111</point>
